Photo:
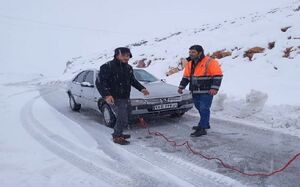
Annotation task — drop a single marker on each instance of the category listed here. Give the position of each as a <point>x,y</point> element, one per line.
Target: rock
<point>271,45</point>
<point>284,29</point>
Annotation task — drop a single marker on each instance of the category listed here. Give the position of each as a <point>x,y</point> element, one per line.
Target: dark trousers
<point>203,103</point>
<point>121,109</point>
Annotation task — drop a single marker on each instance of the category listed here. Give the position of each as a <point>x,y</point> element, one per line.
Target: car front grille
<point>164,100</point>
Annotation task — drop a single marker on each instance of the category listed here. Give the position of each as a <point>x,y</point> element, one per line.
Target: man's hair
<point>122,50</point>
<point>198,48</point>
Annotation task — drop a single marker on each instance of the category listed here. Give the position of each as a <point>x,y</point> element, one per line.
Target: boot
<point>195,127</point>
<point>199,132</point>
<point>120,140</point>
<point>125,136</point>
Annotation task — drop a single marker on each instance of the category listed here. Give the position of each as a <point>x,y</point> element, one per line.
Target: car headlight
<point>137,102</point>
<point>186,96</point>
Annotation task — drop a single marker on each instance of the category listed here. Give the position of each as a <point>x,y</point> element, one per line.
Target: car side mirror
<point>86,84</point>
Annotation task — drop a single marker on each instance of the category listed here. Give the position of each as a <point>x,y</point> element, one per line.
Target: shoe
<point>120,140</point>
<point>195,127</point>
<point>125,136</point>
<point>199,132</point>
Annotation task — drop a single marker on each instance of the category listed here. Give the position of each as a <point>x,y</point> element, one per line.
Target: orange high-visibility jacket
<point>202,76</point>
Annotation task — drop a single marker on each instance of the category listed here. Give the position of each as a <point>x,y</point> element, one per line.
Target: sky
<point>40,36</point>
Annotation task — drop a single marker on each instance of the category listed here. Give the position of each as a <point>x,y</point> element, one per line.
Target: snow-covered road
<point>44,143</point>
<point>142,165</point>
<point>151,161</point>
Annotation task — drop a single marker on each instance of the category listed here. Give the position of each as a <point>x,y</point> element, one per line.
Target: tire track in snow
<point>233,142</point>
<point>196,175</point>
<point>82,164</point>
<point>240,146</point>
<point>154,161</point>
<point>168,164</point>
<point>64,149</point>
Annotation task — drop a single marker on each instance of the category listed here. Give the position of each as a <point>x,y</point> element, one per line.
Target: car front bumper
<point>147,110</point>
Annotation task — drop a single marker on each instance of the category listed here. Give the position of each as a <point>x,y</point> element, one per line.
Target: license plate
<point>165,106</point>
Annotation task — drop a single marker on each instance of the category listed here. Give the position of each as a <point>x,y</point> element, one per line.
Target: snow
<point>44,44</point>
<point>268,75</point>
<point>56,122</point>
<point>24,161</point>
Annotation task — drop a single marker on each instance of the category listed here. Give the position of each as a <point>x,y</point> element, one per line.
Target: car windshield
<point>144,76</point>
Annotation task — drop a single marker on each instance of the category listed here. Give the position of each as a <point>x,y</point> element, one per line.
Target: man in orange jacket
<point>204,76</point>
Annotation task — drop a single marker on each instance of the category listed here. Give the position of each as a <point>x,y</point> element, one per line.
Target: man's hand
<point>213,91</point>
<point>183,63</point>
<point>180,91</point>
<point>109,100</point>
<point>145,92</point>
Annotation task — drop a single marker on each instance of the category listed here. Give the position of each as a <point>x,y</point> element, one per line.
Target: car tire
<point>108,116</point>
<point>177,114</point>
<point>73,105</point>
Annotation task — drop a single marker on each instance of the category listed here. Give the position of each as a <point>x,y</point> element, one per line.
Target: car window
<point>144,76</point>
<point>80,77</point>
<point>90,77</point>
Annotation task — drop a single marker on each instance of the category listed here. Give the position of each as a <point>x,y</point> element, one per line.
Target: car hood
<point>157,90</point>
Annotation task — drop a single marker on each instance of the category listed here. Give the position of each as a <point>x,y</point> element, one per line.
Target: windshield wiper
<point>145,80</point>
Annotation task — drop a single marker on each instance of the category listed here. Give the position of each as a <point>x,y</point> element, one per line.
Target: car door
<point>88,90</point>
<point>76,88</point>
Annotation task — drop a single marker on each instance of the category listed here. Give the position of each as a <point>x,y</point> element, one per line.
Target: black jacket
<point>115,79</point>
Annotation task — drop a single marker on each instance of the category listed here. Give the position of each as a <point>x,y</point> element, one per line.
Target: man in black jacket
<point>114,84</point>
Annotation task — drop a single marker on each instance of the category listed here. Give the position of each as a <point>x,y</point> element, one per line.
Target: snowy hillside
<point>262,87</point>
<point>39,36</point>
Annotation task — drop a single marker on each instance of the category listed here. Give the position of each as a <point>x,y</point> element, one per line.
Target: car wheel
<point>177,114</point>
<point>108,116</point>
<point>73,105</point>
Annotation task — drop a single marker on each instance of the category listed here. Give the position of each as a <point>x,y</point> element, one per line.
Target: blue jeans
<point>203,103</point>
<point>121,109</point>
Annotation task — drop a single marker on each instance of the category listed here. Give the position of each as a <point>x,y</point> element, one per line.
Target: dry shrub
<point>250,52</point>
<point>143,63</point>
<point>287,52</point>
<point>172,70</point>
<point>221,54</point>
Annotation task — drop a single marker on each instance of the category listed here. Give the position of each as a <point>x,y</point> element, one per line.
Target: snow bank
<point>253,111</point>
<point>23,160</point>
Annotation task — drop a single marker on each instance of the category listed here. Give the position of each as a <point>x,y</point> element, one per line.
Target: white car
<point>163,98</point>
